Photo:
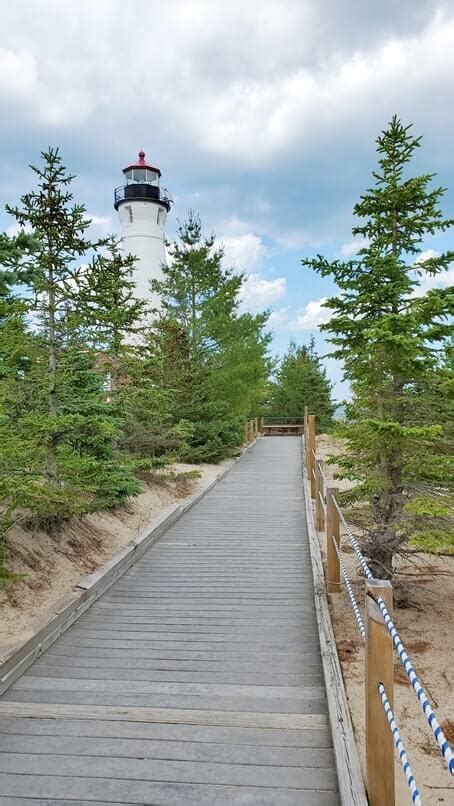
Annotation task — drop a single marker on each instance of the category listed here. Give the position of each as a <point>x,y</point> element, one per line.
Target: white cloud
<point>18,74</point>
<point>278,318</point>
<point>292,238</point>
<point>311,316</point>
<point>16,228</point>
<point>243,252</point>
<point>426,255</point>
<point>351,248</point>
<point>100,220</point>
<point>254,119</point>
<point>223,83</point>
<point>259,293</point>
<point>429,282</point>
<point>101,225</point>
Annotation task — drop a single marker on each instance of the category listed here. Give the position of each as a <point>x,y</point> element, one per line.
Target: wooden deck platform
<point>197,677</point>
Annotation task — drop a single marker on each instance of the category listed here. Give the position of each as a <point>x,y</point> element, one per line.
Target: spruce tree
<point>112,317</point>
<point>19,351</point>
<point>388,339</point>
<point>301,381</point>
<point>222,354</point>
<point>160,378</point>
<point>196,290</point>
<point>51,271</point>
<point>58,456</point>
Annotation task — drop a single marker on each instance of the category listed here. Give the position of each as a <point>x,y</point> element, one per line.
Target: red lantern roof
<point>141,163</point>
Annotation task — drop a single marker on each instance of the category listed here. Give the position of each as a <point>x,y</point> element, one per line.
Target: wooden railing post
<point>379,669</point>
<point>262,423</point>
<point>256,426</point>
<point>246,432</point>
<point>311,451</point>
<point>319,512</point>
<point>332,533</point>
<point>321,484</point>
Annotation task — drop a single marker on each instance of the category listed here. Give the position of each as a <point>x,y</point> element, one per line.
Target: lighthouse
<point>142,206</point>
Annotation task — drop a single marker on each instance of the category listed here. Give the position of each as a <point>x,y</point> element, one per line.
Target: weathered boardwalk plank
<point>197,677</point>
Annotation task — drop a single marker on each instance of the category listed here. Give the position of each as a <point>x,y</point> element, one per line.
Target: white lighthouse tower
<point>142,206</point>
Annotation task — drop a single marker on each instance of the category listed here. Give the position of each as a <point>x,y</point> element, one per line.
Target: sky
<point>262,117</point>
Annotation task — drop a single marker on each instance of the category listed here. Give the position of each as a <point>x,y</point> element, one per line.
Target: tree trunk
<point>387,508</point>
<point>387,505</point>
<point>51,458</point>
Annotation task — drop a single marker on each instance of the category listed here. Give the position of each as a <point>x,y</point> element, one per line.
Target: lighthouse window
<point>139,174</point>
<point>131,218</point>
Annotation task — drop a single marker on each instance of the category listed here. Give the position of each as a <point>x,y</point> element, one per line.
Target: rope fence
<point>328,516</point>
<point>427,710</point>
<point>403,758</point>
<point>353,542</point>
<point>348,585</point>
<point>400,747</point>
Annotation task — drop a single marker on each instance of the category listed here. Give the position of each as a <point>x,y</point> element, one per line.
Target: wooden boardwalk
<point>197,678</point>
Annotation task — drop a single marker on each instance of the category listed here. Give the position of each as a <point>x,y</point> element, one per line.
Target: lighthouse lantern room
<point>142,207</point>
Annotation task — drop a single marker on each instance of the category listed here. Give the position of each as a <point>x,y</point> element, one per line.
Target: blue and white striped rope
<point>353,541</point>
<point>348,585</point>
<point>440,738</point>
<point>400,747</point>
<point>428,712</point>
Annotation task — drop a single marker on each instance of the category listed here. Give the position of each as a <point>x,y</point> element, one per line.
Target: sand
<point>425,626</point>
<point>53,563</point>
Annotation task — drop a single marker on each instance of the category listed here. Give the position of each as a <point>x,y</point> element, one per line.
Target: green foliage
<point>109,313</point>
<point>58,431</point>
<point>391,342</point>
<point>94,397</point>
<point>434,541</point>
<point>301,381</point>
<point>210,359</point>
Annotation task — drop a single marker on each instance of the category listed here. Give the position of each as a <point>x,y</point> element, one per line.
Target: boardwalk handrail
<point>380,776</point>
<point>441,740</point>
<point>251,430</point>
<point>266,420</point>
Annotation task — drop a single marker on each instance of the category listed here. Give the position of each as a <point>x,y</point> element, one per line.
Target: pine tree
<point>301,381</point>
<point>155,430</point>
<point>196,291</point>
<point>388,339</point>
<point>18,354</point>
<point>57,455</point>
<point>111,316</point>
<point>222,354</point>
<point>51,271</point>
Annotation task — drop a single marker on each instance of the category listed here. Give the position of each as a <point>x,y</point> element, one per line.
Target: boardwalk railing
<point>251,429</point>
<point>281,426</point>
<point>380,636</point>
